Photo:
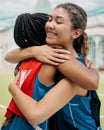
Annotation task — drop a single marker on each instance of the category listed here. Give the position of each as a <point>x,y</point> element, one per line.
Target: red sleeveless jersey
<point>27,74</point>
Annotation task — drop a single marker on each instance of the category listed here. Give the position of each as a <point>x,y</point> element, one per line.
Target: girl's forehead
<point>61,12</point>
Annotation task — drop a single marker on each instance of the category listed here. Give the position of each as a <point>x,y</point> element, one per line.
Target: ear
<point>77,33</point>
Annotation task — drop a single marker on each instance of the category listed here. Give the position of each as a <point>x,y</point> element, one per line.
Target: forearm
<point>80,74</point>
<point>18,55</point>
<point>45,54</point>
<point>56,98</point>
<point>21,99</point>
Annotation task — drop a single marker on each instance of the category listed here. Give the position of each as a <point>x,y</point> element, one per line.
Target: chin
<point>50,42</point>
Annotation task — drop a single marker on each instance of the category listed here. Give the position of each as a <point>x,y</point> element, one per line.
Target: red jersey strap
<point>27,74</point>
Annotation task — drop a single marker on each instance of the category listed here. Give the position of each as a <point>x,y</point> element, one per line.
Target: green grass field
<point>5,96</point>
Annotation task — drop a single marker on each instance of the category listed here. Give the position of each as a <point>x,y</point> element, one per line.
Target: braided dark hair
<point>78,18</point>
<point>29,29</point>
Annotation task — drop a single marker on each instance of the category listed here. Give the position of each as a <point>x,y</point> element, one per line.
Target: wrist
<point>33,51</point>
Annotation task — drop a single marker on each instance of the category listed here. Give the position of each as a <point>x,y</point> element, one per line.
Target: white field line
<point>100,94</point>
<point>3,107</point>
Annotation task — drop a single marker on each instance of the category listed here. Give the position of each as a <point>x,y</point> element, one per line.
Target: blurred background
<point>10,9</point>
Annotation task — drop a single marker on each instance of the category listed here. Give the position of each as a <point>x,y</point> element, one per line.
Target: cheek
<point>65,33</point>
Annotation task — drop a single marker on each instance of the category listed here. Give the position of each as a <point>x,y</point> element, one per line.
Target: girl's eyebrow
<point>57,17</point>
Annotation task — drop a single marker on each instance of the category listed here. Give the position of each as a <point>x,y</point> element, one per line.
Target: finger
<point>56,46</point>
<point>52,62</point>
<point>57,60</point>
<point>62,51</point>
<point>61,56</point>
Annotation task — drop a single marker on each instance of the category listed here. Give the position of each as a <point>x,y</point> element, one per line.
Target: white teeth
<point>51,34</point>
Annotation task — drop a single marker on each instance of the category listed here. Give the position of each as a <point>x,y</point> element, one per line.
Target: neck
<point>72,50</point>
<point>74,53</point>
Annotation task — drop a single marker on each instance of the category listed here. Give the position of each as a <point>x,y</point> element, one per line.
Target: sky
<point>15,7</point>
<point>9,9</point>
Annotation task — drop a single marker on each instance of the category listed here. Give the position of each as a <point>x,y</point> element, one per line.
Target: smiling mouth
<point>51,34</point>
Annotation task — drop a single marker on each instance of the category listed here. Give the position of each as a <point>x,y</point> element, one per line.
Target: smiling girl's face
<point>59,29</point>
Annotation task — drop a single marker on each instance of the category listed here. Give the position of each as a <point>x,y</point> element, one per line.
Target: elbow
<point>94,84</point>
<point>91,84</point>
<point>9,59</point>
<point>35,118</point>
<point>6,58</point>
<point>95,80</point>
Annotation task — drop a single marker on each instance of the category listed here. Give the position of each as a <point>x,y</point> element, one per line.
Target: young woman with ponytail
<point>71,98</point>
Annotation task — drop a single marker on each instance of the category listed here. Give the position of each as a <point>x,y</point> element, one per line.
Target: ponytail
<point>81,45</point>
<point>85,45</point>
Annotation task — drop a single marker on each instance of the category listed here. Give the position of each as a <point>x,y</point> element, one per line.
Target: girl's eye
<point>59,22</point>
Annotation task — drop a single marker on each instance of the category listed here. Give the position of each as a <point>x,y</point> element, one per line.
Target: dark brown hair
<point>78,18</point>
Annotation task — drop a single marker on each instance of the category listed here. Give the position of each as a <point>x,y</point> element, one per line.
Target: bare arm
<point>17,55</point>
<point>45,54</point>
<point>87,78</point>
<point>56,98</point>
<point>78,73</point>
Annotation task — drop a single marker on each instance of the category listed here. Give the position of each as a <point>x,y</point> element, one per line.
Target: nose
<point>51,24</point>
